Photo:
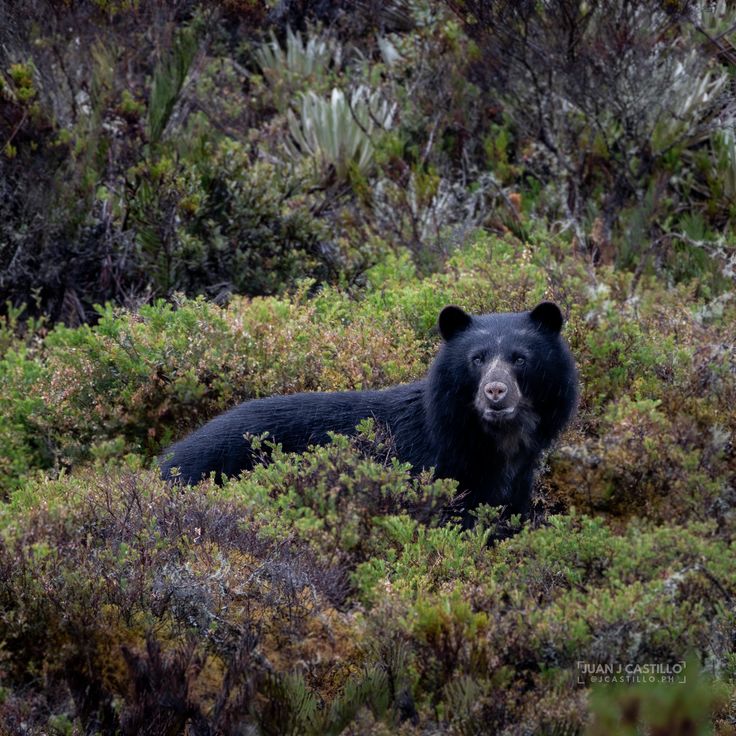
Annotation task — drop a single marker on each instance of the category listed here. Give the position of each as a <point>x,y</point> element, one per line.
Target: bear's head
<point>510,374</point>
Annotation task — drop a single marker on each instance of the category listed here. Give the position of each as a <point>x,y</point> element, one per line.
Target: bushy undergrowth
<point>334,584</point>
<point>320,594</point>
<point>657,372</point>
<point>148,606</point>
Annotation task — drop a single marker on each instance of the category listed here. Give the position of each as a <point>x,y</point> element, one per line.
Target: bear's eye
<point>477,360</point>
<point>520,360</point>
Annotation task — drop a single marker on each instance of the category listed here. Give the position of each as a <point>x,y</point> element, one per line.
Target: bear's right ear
<point>453,320</point>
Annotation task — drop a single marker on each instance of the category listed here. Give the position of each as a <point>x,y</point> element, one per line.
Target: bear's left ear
<point>453,320</point>
<point>548,316</point>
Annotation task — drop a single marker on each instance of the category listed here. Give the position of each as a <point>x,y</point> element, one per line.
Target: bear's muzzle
<point>498,394</point>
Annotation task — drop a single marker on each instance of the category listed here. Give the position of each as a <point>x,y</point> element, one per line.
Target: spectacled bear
<point>501,389</point>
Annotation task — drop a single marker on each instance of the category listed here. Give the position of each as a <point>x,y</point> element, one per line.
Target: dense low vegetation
<point>202,203</point>
<point>327,583</point>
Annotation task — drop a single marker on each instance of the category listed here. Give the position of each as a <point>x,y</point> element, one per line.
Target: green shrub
<point>222,224</point>
<point>122,589</point>
<point>23,449</point>
<point>141,377</point>
<point>498,644</point>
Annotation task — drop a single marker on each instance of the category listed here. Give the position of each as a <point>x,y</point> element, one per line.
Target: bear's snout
<point>498,396</point>
<point>496,391</point>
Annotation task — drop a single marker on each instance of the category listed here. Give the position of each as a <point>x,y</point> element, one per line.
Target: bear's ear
<point>548,316</point>
<point>453,320</point>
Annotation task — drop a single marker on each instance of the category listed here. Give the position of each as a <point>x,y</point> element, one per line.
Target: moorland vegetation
<point>205,202</point>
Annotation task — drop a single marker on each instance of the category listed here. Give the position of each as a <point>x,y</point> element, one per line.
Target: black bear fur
<point>501,389</point>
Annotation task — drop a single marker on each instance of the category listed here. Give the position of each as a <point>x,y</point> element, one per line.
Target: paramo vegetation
<point>205,202</point>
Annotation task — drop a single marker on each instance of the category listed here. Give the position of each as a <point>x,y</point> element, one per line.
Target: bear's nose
<point>496,390</point>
